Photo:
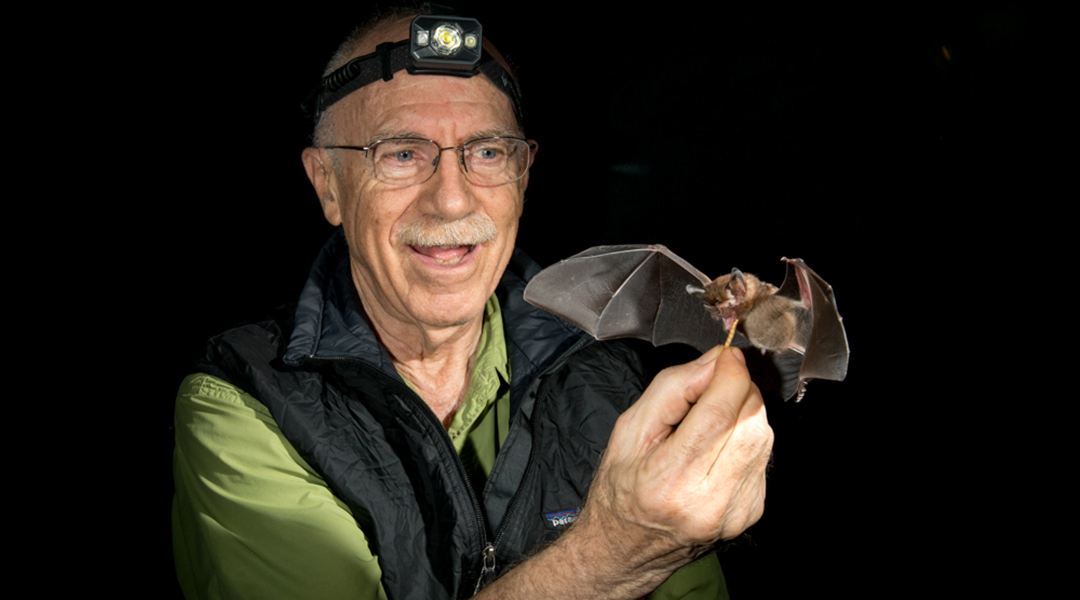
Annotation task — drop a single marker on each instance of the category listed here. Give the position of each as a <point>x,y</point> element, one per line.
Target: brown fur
<point>769,321</point>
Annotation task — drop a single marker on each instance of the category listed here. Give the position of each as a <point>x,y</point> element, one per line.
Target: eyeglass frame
<point>530,144</point>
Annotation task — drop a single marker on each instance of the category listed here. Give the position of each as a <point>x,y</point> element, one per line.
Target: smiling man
<point>415,429</point>
<point>429,216</point>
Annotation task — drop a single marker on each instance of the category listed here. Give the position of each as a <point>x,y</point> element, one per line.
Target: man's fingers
<point>705,430</point>
<point>722,447</point>
<point>666,401</point>
<point>748,451</point>
<point>688,458</point>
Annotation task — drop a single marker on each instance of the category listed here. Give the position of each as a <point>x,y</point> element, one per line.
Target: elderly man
<point>416,430</point>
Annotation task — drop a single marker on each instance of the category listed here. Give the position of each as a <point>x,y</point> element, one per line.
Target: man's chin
<point>445,321</point>
<point>442,306</point>
<point>454,323</point>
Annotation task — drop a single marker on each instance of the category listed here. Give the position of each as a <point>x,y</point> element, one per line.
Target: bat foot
<point>801,391</point>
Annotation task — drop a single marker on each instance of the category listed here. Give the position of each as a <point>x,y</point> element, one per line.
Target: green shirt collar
<point>491,372</point>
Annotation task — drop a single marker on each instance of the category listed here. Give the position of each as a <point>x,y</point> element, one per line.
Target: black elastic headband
<point>389,58</point>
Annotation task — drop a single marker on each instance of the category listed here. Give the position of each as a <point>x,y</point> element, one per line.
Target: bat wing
<point>637,291</point>
<point>823,337</point>
<point>641,291</point>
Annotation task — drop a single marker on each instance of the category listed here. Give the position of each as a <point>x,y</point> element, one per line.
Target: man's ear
<point>317,164</point>
<point>533,147</point>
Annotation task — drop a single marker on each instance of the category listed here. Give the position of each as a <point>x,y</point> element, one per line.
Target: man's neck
<point>437,361</point>
<point>441,377</point>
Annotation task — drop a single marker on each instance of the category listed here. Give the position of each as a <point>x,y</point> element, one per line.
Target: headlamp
<point>437,45</point>
<point>458,40</point>
<point>445,45</point>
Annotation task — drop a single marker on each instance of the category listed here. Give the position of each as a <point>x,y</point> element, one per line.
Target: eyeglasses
<point>407,161</point>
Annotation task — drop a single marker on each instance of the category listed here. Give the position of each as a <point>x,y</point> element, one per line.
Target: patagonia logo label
<point>561,518</point>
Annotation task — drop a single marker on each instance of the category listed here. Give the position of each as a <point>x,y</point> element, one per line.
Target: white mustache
<point>474,229</point>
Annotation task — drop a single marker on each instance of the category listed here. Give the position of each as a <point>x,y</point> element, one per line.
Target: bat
<point>650,293</point>
<point>769,321</point>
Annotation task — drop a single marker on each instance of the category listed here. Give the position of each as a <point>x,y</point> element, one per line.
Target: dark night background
<point>858,140</point>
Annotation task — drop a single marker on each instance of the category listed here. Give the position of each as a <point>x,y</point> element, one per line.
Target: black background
<point>864,141</point>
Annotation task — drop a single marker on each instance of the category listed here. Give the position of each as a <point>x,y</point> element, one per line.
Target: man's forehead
<point>428,106</point>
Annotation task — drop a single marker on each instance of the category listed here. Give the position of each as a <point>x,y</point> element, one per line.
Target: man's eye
<point>401,154</point>
<point>487,153</point>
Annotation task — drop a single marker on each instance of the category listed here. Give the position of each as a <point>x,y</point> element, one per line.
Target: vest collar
<point>329,324</point>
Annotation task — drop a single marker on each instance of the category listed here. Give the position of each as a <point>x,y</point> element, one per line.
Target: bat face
<point>768,321</point>
<point>723,297</point>
<point>648,292</point>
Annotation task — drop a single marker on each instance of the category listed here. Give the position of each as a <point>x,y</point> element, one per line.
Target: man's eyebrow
<point>387,134</point>
<point>500,131</point>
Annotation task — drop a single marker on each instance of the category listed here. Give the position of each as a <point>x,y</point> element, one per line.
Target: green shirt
<point>251,519</point>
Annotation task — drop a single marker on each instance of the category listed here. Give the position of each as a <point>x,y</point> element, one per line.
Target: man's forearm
<point>587,565</point>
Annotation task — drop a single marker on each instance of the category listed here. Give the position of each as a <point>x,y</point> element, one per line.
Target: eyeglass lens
<point>489,161</point>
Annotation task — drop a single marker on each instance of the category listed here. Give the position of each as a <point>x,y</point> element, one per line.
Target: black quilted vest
<point>333,391</point>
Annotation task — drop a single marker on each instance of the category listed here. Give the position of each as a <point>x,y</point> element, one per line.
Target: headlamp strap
<point>355,74</point>
<point>383,50</point>
<point>502,80</point>
<point>391,57</point>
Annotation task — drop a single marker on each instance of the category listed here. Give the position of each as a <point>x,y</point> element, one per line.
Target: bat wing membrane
<point>826,355</point>
<point>641,291</point>
<point>637,291</point>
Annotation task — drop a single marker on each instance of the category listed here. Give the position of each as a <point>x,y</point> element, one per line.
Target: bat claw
<point>694,290</point>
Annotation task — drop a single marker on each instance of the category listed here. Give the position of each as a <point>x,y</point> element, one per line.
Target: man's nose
<point>448,194</point>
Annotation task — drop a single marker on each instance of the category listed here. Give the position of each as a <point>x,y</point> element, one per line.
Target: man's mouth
<point>447,243</point>
<point>444,255</point>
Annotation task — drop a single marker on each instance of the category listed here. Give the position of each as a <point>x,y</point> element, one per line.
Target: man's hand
<point>687,461</point>
<point>685,468</point>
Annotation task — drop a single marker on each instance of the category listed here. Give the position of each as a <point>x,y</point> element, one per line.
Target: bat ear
<point>737,285</point>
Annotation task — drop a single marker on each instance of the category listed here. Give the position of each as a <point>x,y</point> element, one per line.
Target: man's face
<point>420,285</point>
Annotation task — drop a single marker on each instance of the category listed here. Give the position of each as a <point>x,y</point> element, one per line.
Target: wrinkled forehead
<point>429,107</point>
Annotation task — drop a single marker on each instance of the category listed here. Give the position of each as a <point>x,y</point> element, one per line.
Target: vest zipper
<point>488,556</point>
<point>541,393</point>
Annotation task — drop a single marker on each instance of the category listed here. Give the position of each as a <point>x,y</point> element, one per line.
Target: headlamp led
<point>437,45</point>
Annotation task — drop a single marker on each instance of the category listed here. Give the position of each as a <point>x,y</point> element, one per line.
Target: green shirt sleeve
<point>700,580</point>
<point>251,519</point>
